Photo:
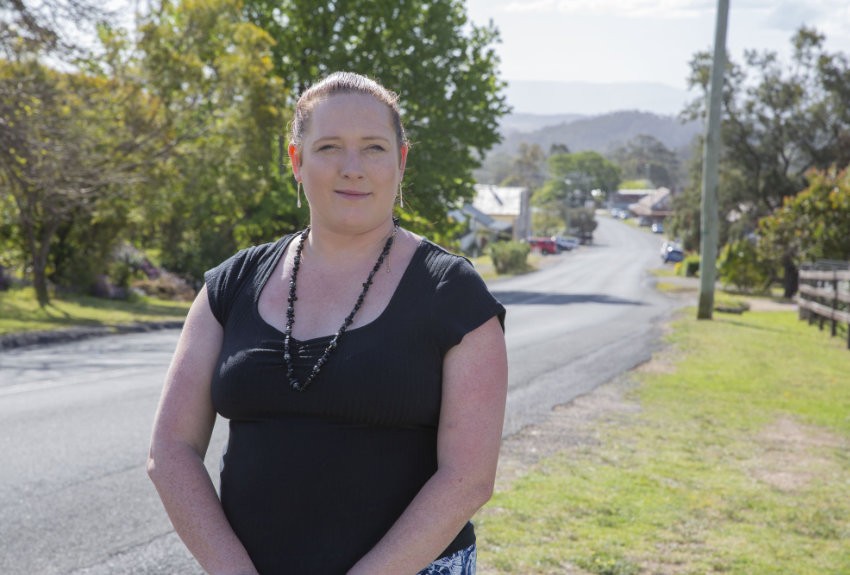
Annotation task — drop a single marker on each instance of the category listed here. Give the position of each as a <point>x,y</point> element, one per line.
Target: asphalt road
<point>75,418</point>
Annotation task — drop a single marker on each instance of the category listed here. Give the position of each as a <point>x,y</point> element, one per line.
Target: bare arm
<point>182,428</point>
<point>468,441</point>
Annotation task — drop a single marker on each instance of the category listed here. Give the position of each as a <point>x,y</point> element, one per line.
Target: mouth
<point>352,194</point>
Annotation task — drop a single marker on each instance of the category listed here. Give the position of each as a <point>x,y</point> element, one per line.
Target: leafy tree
<point>443,66</point>
<point>529,168</point>
<point>29,27</point>
<point>645,157</point>
<point>779,122</point>
<point>73,146</point>
<point>225,184</point>
<point>814,224</point>
<point>572,177</point>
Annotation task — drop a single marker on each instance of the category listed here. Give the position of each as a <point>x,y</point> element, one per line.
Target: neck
<point>333,246</point>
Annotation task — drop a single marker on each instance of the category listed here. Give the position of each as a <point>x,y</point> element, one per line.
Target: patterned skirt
<point>460,563</point>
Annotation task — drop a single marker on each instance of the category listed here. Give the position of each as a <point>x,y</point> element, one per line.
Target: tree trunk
<point>39,282</point>
<point>791,278</point>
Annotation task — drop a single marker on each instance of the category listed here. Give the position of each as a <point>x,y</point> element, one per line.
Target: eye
<point>376,148</point>
<point>327,147</point>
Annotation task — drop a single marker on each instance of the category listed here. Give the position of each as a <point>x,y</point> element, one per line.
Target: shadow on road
<point>538,298</point>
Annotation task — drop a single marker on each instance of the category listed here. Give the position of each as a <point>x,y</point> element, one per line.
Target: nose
<point>352,165</point>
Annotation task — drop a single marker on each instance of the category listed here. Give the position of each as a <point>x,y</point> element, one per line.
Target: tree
<point>572,177</point>
<point>41,27</point>
<point>529,168</point>
<point>779,122</point>
<point>225,185</point>
<point>572,180</point>
<point>73,147</point>
<point>812,225</point>
<point>443,67</point>
<point>645,157</point>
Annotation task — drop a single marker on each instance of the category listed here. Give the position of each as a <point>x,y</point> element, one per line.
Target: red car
<point>545,246</point>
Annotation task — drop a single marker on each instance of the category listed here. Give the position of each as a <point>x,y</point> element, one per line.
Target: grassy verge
<point>737,462</point>
<point>484,265</point>
<point>19,312</point>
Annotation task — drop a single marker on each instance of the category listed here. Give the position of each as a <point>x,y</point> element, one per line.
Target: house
<point>496,213</point>
<point>653,207</point>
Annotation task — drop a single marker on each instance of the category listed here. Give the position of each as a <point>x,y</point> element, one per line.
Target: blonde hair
<point>343,83</point>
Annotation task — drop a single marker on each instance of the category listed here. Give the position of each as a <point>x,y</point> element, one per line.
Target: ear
<point>295,160</point>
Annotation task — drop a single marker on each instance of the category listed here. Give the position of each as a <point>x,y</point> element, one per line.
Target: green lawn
<point>737,462</point>
<point>19,311</point>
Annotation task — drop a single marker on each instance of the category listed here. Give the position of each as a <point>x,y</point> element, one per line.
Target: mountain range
<point>586,98</point>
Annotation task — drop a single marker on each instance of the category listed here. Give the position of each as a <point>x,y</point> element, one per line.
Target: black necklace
<point>290,312</point>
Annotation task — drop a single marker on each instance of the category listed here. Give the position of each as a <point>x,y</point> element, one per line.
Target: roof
<point>656,202</point>
<point>498,200</point>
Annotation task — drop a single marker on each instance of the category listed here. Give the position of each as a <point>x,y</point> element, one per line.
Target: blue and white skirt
<point>460,563</point>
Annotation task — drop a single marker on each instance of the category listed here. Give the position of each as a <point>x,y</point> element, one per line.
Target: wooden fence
<point>824,296</point>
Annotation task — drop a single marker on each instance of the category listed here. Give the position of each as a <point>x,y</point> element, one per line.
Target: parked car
<point>565,243</point>
<point>545,246</point>
<point>671,252</point>
<point>657,228</point>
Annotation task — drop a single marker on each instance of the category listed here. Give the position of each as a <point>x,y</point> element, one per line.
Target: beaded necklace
<point>290,312</point>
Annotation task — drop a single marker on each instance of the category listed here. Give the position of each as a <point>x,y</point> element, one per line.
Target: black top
<point>312,480</point>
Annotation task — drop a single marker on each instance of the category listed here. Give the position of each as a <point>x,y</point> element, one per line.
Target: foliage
<point>73,150</point>
<point>688,267</point>
<point>548,219</point>
<point>646,157</point>
<point>443,66</point>
<point>528,168</point>
<point>29,27</point>
<point>225,186</point>
<point>739,265</point>
<point>509,257</point>
<point>814,224</point>
<point>779,121</point>
<point>573,176</point>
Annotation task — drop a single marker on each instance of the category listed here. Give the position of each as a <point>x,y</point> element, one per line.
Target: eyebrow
<point>367,138</point>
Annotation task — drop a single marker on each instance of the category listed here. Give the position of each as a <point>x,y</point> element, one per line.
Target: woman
<point>365,416</point>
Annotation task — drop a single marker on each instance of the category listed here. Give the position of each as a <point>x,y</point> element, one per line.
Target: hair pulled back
<point>343,83</point>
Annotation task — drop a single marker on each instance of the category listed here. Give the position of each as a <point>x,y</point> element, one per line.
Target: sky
<point>646,41</point>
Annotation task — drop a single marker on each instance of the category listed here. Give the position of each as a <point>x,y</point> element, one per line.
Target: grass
<point>736,463</point>
<point>20,312</point>
<point>484,265</point>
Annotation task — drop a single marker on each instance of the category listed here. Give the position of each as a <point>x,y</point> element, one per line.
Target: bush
<point>166,286</point>
<point>509,257</point>
<point>739,265</point>
<point>689,267</point>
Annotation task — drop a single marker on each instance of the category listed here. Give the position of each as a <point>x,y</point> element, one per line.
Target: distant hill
<point>601,133</point>
<point>587,98</point>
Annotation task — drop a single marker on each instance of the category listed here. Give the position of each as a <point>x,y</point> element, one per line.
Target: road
<point>75,418</point>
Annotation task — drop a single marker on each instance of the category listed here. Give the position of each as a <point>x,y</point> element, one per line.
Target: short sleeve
<point>225,281</point>
<point>463,303</point>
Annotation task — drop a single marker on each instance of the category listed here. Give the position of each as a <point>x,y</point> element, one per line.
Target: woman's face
<point>349,163</point>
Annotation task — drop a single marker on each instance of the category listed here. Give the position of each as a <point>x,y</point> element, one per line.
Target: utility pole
<point>711,153</point>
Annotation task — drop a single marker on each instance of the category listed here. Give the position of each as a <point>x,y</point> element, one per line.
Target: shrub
<point>739,265</point>
<point>689,267</point>
<point>509,257</point>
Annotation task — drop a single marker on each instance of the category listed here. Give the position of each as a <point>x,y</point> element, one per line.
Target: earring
<point>400,197</point>
<point>298,195</point>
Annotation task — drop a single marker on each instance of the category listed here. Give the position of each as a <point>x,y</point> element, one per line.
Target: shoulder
<point>442,263</point>
<point>245,267</point>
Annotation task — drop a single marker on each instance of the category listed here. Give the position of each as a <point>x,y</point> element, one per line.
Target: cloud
<point>822,14</point>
